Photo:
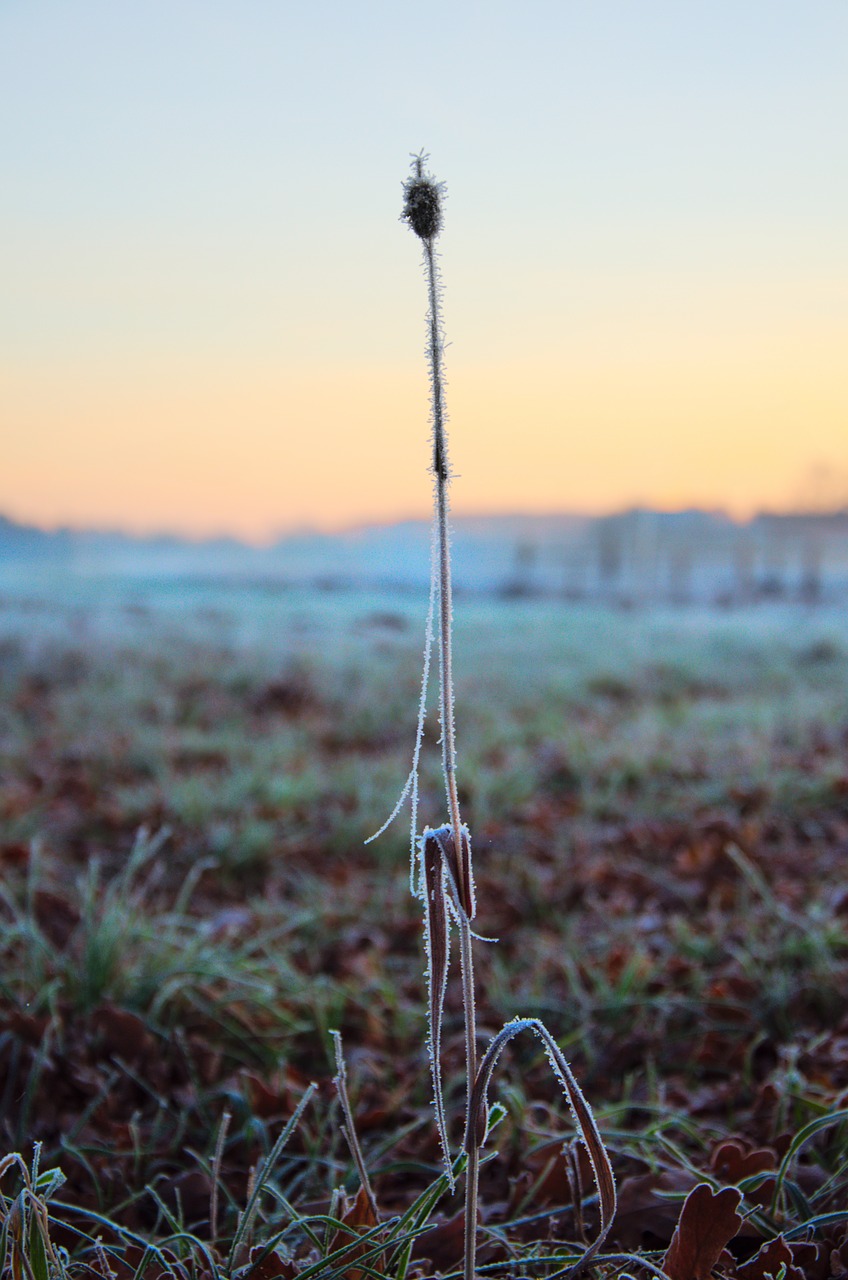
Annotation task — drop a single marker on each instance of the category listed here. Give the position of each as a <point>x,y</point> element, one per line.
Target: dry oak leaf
<point>731,1162</point>
<point>708,1220</point>
<point>774,1259</point>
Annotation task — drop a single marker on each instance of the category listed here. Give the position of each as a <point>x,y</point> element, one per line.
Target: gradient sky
<point>211,318</point>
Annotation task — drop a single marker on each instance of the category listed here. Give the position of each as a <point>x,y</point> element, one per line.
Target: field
<point>659,807</point>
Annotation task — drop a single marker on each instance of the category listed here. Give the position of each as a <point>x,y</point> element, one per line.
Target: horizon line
<point>274,538</point>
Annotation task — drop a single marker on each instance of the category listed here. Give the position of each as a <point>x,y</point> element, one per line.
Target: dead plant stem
<point>441,472</point>
<point>422,210</point>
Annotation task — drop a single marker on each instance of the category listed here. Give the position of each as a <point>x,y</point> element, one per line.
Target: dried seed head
<point>422,207</point>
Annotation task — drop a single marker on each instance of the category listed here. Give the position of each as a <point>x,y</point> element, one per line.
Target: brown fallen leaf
<point>56,917</point>
<point>548,1171</point>
<point>731,1162</point>
<point>358,1218</point>
<point>811,1260</point>
<point>708,1221</point>
<point>442,1243</point>
<point>268,1265</point>
<point>644,1206</point>
<point>120,1032</point>
<point>767,1264</point>
<point>276,1095</point>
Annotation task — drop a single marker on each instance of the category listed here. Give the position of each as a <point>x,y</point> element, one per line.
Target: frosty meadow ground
<point>660,808</point>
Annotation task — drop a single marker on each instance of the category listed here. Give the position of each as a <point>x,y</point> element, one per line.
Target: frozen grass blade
<point>411,784</point>
<point>216,1173</point>
<point>349,1128</point>
<point>25,1229</point>
<point>802,1137</point>
<point>263,1175</point>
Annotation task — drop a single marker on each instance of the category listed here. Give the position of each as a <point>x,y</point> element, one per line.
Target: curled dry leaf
<point>437,942</point>
<point>708,1221</point>
<point>458,874</point>
<point>580,1110</point>
<point>442,900</point>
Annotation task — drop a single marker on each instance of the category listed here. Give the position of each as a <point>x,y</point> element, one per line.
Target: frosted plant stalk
<point>449,890</point>
<point>441,871</point>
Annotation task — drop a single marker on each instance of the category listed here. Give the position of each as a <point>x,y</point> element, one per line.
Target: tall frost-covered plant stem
<point>441,869</point>
<point>423,212</point>
<point>441,472</point>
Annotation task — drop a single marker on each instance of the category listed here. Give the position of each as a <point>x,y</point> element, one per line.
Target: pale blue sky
<point>195,187</point>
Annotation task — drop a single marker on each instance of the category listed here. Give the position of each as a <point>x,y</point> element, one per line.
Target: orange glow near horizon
<point>244,449</point>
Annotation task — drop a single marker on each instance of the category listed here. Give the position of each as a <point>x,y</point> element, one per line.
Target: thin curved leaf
<point>581,1111</point>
